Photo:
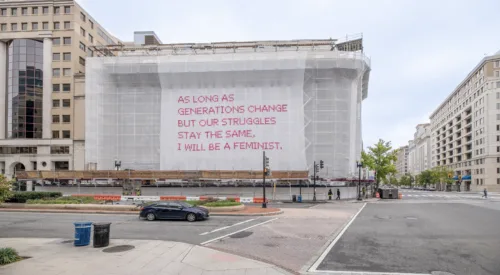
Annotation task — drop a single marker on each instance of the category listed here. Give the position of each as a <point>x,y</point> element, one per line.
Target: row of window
<point>56,72</point>
<point>65,134</point>
<point>59,150</point>
<point>56,103</point>
<point>66,87</point>
<point>57,119</point>
<point>4,150</point>
<point>35,11</point>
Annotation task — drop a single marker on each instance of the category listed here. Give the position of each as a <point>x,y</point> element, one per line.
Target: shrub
<point>22,197</point>
<point>64,200</point>
<point>221,203</point>
<point>5,187</point>
<point>8,255</point>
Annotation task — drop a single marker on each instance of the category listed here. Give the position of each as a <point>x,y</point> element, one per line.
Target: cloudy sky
<point>420,49</point>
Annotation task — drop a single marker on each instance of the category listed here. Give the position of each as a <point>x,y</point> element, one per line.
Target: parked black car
<point>175,210</point>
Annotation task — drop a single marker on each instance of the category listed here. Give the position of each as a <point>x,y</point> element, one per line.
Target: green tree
<point>5,188</point>
<point>381,158</point>
<point>425,178</point>
<point>393,180</point>
<point>405,180</point>
<point>442,174</point>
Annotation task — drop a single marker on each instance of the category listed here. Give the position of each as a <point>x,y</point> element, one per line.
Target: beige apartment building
<point>402,161</point>
<point>465,128</point>
<point>43,47</point>
<point>420,150</point>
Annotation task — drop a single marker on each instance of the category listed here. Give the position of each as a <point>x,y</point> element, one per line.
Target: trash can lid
<point>82,223</point>
<point>101,223</point>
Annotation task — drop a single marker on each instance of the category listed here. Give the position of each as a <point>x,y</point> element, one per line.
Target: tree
<point>393,180</point>
<point>442,174</point>
<point>425,178</point>
<point>405,180</point>
<point>5,188</point>
<point>381,158</point>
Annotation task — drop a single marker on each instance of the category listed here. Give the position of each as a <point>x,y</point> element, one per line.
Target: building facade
<point>43,48</point>
<point>421,149</point>
<point>402,161</point>
<point>465,128</point>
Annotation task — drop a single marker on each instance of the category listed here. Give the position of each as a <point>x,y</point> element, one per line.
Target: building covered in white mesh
<point>218,106</point>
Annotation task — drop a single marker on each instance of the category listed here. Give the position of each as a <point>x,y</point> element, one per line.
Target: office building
<point>420,150</point>
<point>402,161</point>
<point>43,49</point>
<point>465,128</point>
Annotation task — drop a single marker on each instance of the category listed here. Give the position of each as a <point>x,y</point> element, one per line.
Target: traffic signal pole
<point>264,204</point>
<point>314,182</point>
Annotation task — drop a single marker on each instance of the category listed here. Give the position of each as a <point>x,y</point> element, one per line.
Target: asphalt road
<point>448,196</point>
<point>459,238</point>
<point>47,225</point>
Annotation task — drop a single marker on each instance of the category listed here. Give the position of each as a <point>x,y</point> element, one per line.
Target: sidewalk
<point>56,257</point>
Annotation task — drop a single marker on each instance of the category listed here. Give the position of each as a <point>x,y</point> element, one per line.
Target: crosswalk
<point>423,195</point>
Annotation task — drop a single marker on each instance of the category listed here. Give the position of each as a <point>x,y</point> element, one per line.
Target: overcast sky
<point>420,50</point>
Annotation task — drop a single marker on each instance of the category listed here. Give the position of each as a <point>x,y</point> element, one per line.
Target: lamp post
<point>359,165</point>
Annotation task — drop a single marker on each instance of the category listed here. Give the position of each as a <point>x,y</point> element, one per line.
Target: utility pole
<point>316,170</point>
<point>265,172</point>
<point>359,165</point>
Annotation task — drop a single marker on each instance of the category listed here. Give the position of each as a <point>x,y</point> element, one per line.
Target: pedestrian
<point>338,194</point>
<point>485,195</point>
<point>330,194</point>
<point>364,192</point>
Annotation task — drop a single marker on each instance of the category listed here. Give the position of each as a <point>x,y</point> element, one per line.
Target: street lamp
<point>359,165</point>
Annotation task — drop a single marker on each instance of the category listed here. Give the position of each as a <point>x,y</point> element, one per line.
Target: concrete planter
<point>225,208</point>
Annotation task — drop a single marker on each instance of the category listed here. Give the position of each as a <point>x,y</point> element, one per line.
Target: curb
<point>126,212</point>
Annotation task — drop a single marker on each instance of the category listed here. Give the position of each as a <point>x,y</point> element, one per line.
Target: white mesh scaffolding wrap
<point>132,109</point>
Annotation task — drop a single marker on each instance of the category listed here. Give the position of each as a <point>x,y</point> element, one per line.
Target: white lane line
<point>327,250</point>
<point>226,227</point>
<point>241,230</point>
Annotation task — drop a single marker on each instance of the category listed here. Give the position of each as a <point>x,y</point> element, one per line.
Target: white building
<point>465,128</point>
<point>402,161</point>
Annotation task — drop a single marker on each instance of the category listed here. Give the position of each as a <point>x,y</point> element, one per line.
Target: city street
<point>440,195</point>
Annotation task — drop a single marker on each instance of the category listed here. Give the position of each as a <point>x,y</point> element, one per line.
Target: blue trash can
<point>299,198</point>
<point>82,233</point>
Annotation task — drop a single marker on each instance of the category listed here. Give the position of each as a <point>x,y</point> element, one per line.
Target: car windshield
<point>185,204</point>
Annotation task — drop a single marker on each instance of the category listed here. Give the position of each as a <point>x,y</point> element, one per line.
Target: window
<point>67,9</point>
<point>82,31</point>
<point>82,16</point>
<point>24,26</point>
<point>66,87</point>
<point>56,56</point>
<point>498,116</point>
<point>66,134</point>
<point>497,73</point>
<point>66,119</point>
<point>498,170</point>
<point>91,38</point>
<point>56,88</point>
<point>59,149</point>
<point>24,11</point>
<point>56,41</point>
<point>45,10</point>
<point>90,52</point>
<point>498,160</point>
<point>498,149</point>
<point>66,72</point>
<point>66,56</point>
<point>34,10</point>
<point>13,26</point>
<point>3,12</point>
<point>3,27</point>
<point>56,103</point>
<point>67,25</point>
<point>498,138</point>
<point>45,25</point>
<point>82,46</point>
<point>57,26</point>
<point>82,61</point>
<point>55,119</point>
<point>66,103</point>
<point>13,11</point>
<point>67,40</point>
<point>57,10</point>
<point>56,72</point>
<point>91,24</point>
<point>498,127</point>
<point>34,26</point>
<point>55,134</point>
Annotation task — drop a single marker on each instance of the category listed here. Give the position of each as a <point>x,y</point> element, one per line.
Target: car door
<point>175,211</point>
<point>162,211</point>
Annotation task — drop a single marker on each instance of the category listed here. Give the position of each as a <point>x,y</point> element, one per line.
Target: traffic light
<point>266,162</point>
<point>321,164</point>
<point>316,168</point>
<point>267,172</point>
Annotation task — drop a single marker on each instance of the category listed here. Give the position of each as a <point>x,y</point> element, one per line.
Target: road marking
<point>241,230</point>
<point>226,227</point>
<point>366,273</point>
<point>327,250</point>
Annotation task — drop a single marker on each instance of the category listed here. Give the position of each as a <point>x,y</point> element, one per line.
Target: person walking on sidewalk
<point>485,195</point>
<point>330,194</point>
<point>338,194</point>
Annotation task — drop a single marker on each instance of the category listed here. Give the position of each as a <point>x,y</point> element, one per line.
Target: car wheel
<point>191,217</point>
<point>150,217</point>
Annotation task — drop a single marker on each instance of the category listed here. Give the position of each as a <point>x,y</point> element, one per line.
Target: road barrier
<point>169,198</point>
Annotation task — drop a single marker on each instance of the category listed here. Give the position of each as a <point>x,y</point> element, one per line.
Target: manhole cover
<point>118,248</point>
<point>240,235</point>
